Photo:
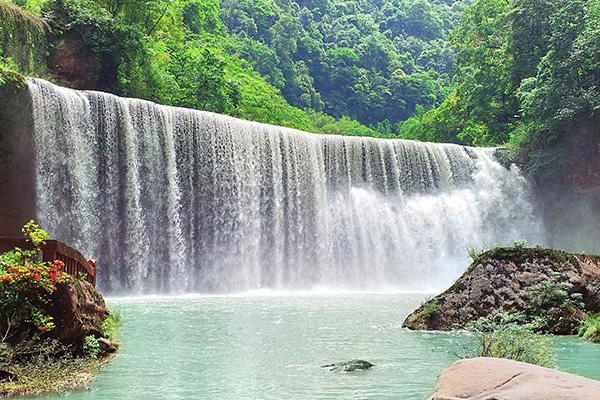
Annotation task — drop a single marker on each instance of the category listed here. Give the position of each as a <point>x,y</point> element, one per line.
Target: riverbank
<point>55,327</point>
<point>46,365</point>
<point>57,376</point>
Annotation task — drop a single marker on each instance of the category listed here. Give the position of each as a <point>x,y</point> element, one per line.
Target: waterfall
<point>176,200</point>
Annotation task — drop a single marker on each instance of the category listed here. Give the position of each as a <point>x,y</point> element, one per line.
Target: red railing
<point>75,263</point>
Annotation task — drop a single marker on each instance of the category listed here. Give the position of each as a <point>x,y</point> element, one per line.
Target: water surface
<point>271,347</point>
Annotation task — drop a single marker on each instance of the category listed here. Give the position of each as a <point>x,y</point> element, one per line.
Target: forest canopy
<point>482,72</point>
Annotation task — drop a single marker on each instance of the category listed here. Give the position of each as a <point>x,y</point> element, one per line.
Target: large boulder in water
<point>501,379</point>
<point>78,311</point>
<point>532,281</point>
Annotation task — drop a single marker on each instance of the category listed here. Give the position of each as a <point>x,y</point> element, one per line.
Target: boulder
<point>501,379</point>
<point>78,311</point>
<point>505,280</point>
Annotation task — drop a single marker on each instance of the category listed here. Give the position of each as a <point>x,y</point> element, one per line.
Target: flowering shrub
<point>26,285</point>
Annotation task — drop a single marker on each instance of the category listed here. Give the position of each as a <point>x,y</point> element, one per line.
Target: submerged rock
<point>349,366</point>
<point>558,286</point>
<point>502,379</point>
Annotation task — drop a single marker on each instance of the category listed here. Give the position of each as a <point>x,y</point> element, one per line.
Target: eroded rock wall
<point>17,170</point>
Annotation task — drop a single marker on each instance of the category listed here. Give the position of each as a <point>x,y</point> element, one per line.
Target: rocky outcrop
<point>78,311</point>
<point>530,281</point>
<point>501,379</point>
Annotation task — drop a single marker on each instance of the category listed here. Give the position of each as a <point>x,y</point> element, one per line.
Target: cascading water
<point>177,200</point>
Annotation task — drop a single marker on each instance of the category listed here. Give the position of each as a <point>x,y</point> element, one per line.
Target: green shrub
<point>552,293</point>
<point>503,336</point>
<point>111,325</point>
<point>520,244</point>
<point>590,329</point>
<point>91,346</point>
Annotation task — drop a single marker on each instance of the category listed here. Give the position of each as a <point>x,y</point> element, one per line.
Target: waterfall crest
<point>177,200</point>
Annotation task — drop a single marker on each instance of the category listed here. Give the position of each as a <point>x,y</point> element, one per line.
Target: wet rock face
<point>78,311</point>
<point>17,171</point>
<point>76,66</point>
<point>529,281</point>
<point>568,195</point>
<point>501,379</point>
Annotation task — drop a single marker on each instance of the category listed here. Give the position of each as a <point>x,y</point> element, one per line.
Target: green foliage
<point>111,325</point>
<point>91,347</point>
<point>487,72</point>
<point>520,254</point>
<point>20,27</point>
<point>523,74</point>
<point>424,312</point>
<point>475,253</point>
<point>25,287</point>
<point>520,244</point>
<point>504,336</point>
<point>590,329</point>
<point>552,293</point>
<point>371,62</point>
<point>180,53</point>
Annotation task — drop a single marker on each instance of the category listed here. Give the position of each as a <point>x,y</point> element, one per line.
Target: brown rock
<point>74,64</point>
<point>107,346</point>
<point>78,311</point>
<point>501,379</point>
<point>499,281</point>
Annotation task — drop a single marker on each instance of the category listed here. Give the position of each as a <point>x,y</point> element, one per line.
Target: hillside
<point>320,67</point>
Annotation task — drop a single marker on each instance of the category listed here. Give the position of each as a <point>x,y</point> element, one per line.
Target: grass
<point>9,75</point>
<point>50,374</point>
<point>424,312</point>
<point>49,367</point>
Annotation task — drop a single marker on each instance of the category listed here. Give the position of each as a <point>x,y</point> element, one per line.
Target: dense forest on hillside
<point>267,60</point>
<point>526,70</point>
<point>486,72</point>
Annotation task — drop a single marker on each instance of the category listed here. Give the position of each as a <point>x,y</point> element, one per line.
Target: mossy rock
<point>12,80</point>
